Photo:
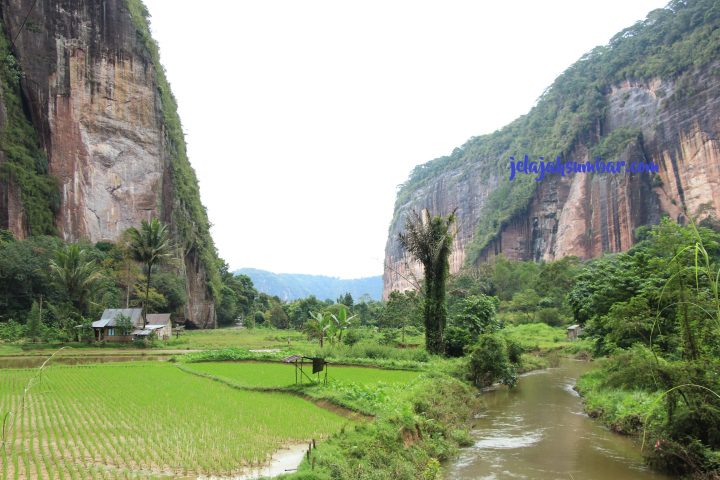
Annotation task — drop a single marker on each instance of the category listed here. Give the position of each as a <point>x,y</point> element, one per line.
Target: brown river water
<point>538,431</point>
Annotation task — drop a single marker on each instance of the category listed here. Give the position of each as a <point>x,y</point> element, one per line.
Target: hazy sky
<point>302,118</point>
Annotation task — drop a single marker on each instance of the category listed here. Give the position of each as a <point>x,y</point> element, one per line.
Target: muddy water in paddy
<point>539,431</point>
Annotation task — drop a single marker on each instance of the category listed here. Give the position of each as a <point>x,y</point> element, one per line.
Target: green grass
<point>256,374</point>
<point>540,336</point>
<point>258,338</point>
<point>145,420</point>
<point>624,411</point>
<point>6,349</point>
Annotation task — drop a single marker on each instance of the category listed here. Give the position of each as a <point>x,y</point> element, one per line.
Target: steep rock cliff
<point>93,89</point>
<point>635,111</point>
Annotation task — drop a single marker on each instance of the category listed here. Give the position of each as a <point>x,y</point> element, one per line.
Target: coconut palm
<point>429,240</point>
<point>77,275</point>
<point>150,246</point>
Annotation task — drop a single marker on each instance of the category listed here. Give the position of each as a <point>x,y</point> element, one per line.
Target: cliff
<point>652,94</point>
<point>101,147</point>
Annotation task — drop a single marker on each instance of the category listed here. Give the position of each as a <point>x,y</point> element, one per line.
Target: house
<point>110,329</point>
<point>573,331</point>
<point>157,323</point>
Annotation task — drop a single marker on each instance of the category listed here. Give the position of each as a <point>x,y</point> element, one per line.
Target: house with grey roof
<point>126,324</point>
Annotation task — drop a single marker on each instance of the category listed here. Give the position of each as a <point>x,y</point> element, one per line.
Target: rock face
<point>91,91</point>
<point>588,214</point>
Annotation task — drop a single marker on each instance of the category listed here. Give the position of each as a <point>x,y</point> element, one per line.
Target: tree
<point>319,327</point>
<point>342,321</point>
<point>346,300</point>
<point>124,324</point>
<point>429,240</point>
<point>277,317</point>
<point>34,323</point>
<point>299,310</point>
<point>489,362</point>
<point>478,315</point>
<point>150,246</point>
<point>24,275</point>
<point>526,302</point>
<point>77,275</point>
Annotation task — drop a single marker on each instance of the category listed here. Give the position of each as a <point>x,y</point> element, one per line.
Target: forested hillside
<point>292,286</point>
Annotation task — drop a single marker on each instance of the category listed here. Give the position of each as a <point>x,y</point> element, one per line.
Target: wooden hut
<point>573,332</point>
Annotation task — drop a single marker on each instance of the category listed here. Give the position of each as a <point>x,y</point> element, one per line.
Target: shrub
<point>550,316</point>
<point>456,341</point>
<point>352,337</point>
<point>489,362</point>
<point>389,337</point>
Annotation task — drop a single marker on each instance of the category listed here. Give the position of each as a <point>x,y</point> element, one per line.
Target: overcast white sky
<point>302,118</point>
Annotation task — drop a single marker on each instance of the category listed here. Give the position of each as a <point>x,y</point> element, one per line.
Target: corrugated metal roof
<point>158,318</point>
<point>110,315</point>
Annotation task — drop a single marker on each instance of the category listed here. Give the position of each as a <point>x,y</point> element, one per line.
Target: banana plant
<point>342,321</point>
<point>320,327</point>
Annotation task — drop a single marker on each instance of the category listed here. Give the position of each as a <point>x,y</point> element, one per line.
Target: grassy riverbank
<point>629,394</point>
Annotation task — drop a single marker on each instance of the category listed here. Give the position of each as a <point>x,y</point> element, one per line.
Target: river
<point>538,431</point>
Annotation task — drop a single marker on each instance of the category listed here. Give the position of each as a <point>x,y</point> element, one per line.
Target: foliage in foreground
<point>656,308</point>
<point>426,427</point>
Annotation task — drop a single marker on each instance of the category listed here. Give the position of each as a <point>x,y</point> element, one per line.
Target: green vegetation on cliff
<point>189,216</point>
<point>27,165</point>
<point>671,43</point>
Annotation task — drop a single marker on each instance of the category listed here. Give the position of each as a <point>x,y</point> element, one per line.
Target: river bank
<point>539,431</point>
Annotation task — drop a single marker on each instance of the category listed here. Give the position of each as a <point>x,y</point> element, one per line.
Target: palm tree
<point>77,275</point>
<point>429,240</point>
<point>151,246</point>
<point>342,321</point>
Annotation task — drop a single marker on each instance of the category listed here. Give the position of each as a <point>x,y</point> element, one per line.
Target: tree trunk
<point>147,296</point>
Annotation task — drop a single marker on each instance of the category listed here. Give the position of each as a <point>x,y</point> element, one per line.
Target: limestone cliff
<point>615,102</point>
<point>92,88</point>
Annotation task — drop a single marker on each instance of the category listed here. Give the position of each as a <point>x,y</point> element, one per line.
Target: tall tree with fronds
<point>79,276</point>
<point>150,246</point>
<point>429,240</point>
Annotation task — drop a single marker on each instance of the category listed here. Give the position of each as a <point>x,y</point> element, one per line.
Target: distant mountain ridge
<point>291,286</point>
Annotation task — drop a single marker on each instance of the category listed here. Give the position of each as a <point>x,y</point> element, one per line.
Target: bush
<point>11,331</point>
<point>456,341</point>
<point>352,337</point>
<point>389,337</point>
<point>489,362</point>
<point>550,316</point>
<point>515,351</point>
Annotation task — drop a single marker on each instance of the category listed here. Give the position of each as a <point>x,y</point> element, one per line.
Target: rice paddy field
<point>255,374</point>
<point>152,420</point>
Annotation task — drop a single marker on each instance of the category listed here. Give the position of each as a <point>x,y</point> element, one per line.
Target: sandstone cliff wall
<point>588,214</point>
<point>91,91</point>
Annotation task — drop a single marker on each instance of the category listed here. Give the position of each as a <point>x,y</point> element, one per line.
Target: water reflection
<point>538,431</point>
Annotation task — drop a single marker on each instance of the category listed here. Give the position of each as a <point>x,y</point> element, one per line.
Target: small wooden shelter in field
<point>318,366</point>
